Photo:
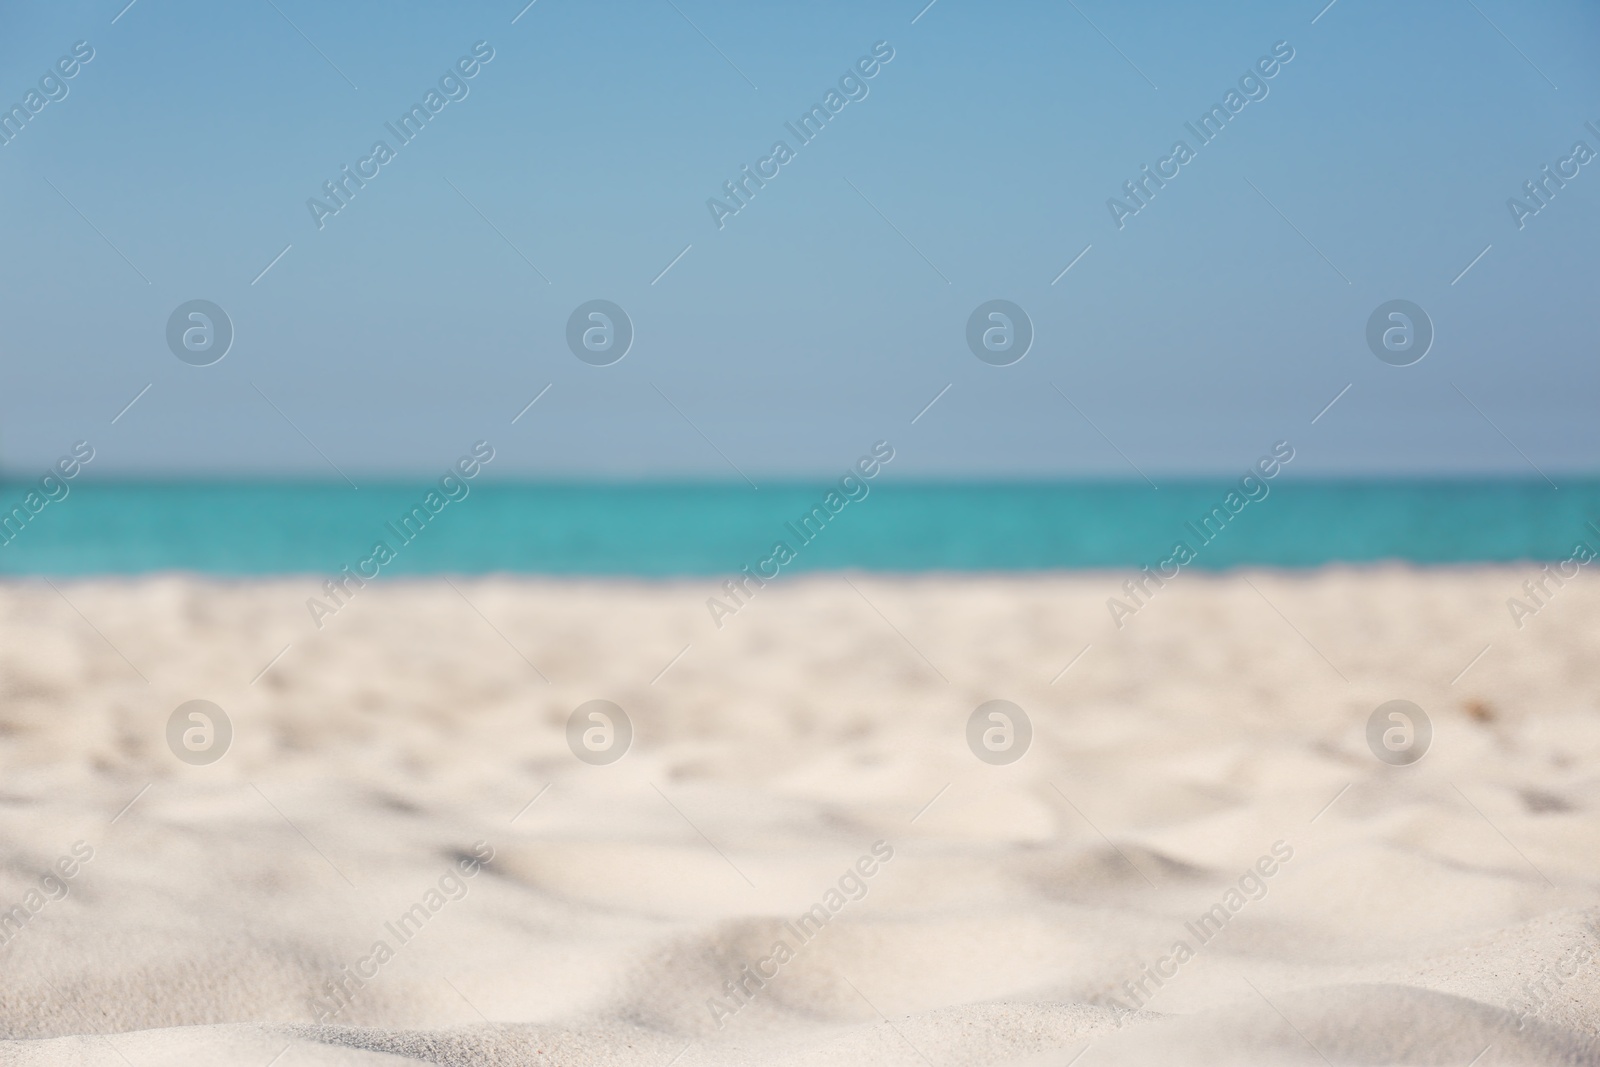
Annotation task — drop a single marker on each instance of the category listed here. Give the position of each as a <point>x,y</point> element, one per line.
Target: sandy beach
<point>1199,858</point>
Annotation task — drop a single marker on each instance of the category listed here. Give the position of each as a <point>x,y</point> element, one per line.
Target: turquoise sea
<point>708,529</point>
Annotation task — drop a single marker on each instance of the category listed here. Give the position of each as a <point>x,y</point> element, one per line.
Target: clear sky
<point>823,316</point>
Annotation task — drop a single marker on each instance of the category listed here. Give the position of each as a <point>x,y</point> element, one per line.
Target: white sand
<point>770,758</point>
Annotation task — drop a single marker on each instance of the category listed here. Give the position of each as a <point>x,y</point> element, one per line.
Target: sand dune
<point>403,777</point>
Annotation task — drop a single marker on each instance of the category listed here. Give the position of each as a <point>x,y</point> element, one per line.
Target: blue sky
<point>832,308</point>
